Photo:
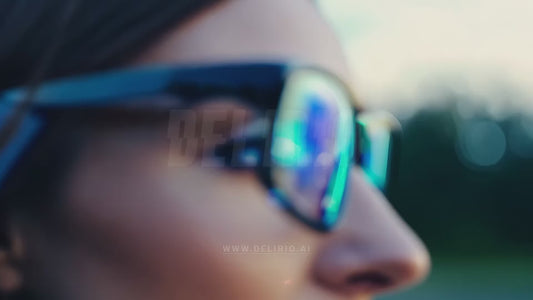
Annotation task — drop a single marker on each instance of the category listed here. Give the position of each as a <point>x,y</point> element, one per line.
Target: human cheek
<point>258,244</point>
<point>233,207</point>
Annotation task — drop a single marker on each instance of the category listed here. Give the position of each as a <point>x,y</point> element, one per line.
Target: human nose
<point>372,250</point>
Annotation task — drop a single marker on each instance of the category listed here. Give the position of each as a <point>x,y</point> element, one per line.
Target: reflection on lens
<point>312,146</point>
<point>374,142</point>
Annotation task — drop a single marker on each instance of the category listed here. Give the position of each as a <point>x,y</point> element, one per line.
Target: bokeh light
<point>482,143</point>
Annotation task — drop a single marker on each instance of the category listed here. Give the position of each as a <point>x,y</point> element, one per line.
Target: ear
<point>11,254</point>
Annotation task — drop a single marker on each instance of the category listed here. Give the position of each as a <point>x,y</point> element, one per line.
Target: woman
<point>105,198</point>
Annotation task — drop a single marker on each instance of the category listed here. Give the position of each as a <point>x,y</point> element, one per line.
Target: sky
<point>400,50</point>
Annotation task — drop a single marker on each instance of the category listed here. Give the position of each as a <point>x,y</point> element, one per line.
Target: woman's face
<point>144,225</point>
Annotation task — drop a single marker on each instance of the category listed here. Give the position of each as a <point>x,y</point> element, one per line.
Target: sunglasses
<point>303,152</point>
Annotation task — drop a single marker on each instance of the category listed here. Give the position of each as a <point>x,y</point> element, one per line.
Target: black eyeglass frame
<point>260,85</point>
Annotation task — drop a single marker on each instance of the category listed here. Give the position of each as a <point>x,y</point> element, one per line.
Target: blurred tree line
<point>459,208</point>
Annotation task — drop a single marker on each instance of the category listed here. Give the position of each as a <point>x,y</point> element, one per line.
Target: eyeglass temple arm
<point>114,88</point>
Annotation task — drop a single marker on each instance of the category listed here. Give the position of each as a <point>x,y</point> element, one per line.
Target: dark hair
<point>86,35</point>
<point>44,39</point>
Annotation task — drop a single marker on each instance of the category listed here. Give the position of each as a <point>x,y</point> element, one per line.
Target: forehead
<point>252,30</point>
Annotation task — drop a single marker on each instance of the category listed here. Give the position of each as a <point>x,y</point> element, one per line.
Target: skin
<point>142,225</point>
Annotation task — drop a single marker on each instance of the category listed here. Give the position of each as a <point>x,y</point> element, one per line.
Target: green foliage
<point>457,208</point>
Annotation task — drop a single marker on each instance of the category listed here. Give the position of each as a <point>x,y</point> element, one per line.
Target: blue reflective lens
<point>312,146</point>
<point>375,146</point>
